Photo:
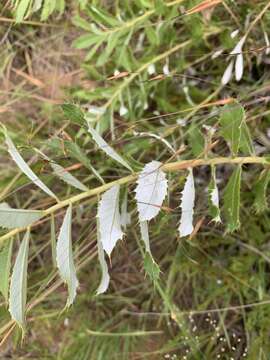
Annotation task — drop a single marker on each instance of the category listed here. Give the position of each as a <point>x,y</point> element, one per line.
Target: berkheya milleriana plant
<point>150,193</point>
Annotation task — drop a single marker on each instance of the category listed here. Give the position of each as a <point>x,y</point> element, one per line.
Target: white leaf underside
<point>24,167</point>
<point>64,257</point>
<point>105,278</point>
<point>109,219</point>
<point>187,206</point>
<point>16,218</point>
<point>107,148</point>
<point>151,190</point>
<point>18,283</point>
<point>227,73</point>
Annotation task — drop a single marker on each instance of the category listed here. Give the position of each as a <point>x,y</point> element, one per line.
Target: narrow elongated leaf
<point>214,197</point>
<point>187,206</point>
<point>53,241</point>
<point>73,113</point>
<point>227,73</point>
<point>151,190</point>
<point>105,279</point>
<point>260,190</point>
<point>64,257</point>
<point>67,177</point>
<point>145,235</point>
<point>18,284</point>
<point>107,148</point>
<point>5,263</point>
<point>22,9</point>
<point>109,219</point>
<point>16,218</point>
<point>25,168</point>
<point>232,200</point>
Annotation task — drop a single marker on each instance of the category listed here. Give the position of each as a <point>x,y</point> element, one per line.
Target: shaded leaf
<point>73,113</point>
<point>107,149</point>
<point>260,190</point>
<point>18,283</point>
<point>25,168</point>
<point>5,264</point>
<point>64,257</point>
<point>105,279</point>
<point>232,200</point>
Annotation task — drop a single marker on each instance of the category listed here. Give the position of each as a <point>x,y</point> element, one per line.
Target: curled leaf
<point>64,257</point>
<point>187,206</point>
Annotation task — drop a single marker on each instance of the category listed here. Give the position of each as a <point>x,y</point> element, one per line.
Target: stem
<point>167,167</point>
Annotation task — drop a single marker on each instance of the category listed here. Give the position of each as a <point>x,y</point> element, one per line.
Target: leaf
<point>227,74</point>
<point>239,67</point>
<point>24,166</point>
<point>105,279</point>
<point>17,218</point>
<point>187,206</point>
<point>246,144</point>
<point>151,267</point>
<point>64,257</point>
<point>18,283</point>
<point>213,197</point>
<point>22,9</point>
<point>231,119</point>
<point>151,190</point>
<point>53,241</point>
<point>5,264</point>
<point>196,140</point>
<point>106,148</point>
<point>109,219</point>
<point>232,200</point>
<point>145,235</point>
<point>68,178</point>
<point>63,174</point>
<point>73,113</point>
<point>260,190</point>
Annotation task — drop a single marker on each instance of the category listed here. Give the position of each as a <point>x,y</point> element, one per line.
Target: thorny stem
<point>167,167</point>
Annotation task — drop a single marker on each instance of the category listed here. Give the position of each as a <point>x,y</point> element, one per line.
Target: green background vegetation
<point>66,53</point>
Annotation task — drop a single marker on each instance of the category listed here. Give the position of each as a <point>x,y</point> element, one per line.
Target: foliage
<point>157,113</point>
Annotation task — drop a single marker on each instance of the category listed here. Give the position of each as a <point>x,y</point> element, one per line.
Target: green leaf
<point>73,113</point>
<point>17,218</point>
<point>260,190</point>
<point>87,40</point>
<point>102,17</point>
<point>64,257</point>
<point>22,9</point>
<point>24,166</point>
<point>151,267</point>
<point>47,9</point>
<point>68,178</point>
<point>196,140</point>
<point>231,120</point>
<point>75,151</point>
<point>53,241</point>
<point>235,130</point>
<point>5,264</point>
<point>18,284</point>
<point>232,200</point>
<point>106,148</point>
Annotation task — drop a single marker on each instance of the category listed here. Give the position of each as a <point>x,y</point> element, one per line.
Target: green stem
<point>167,167</point>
